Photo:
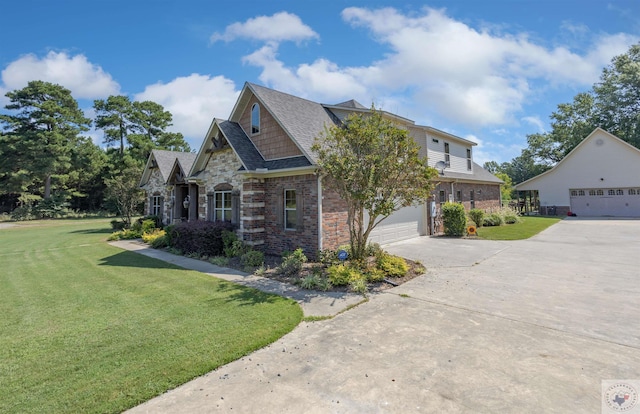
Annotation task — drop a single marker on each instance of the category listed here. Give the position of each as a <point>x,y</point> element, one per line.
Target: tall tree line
<point>613,103</point>
<point>47,163</point>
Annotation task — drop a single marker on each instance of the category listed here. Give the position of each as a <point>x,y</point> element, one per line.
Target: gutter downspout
<point>320,231</point>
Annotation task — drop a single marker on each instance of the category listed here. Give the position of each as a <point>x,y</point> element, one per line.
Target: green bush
<point>375,275</point>
<point>118,225</point>
<point>150,236</point>
<point>358,284</point>
<point>476,215</point>
<point>341,274</point>
<point>199,236</point>
<point>393,266</point>
<point>126,234</point>
<point>147,226</point>
<point>160,242</point>
<point>252,258</point>
<point>292,262</point>
<point>511,217</point>
<point>493,219</point>
<point>157,221</point>
<point>219,260</point>
<point>454,219</point>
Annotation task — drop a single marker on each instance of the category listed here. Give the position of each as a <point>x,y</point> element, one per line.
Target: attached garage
<point>406,223</point>
<point>599,177</point>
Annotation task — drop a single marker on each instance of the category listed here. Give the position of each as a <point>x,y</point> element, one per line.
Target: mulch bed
<point>271,262</point>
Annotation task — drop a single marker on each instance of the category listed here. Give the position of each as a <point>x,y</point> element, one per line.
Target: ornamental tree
<point>375,167</point>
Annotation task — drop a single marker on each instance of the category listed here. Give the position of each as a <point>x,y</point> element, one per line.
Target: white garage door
<point>404,224</point>
<point>614,202</point>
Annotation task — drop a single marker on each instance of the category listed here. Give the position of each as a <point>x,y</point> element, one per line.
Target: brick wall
<point>253,217</point>
<point>277,239</point>
<point>486,196</point>
<point>271,141</point>
<point>335,228</point>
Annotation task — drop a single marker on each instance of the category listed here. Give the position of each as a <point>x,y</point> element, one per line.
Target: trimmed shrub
<point>292,262</point>
<point>454,219</point>
<point>157,221</point>
<point>375,275</point>
<point>341,275</point>
<point>477,216</point>
<point>493,219</point>
<point>511,218</point>
<point>147,226</point>
<point>393,266</point>
<point>252,258</point>
<point>126,234</point>
<point>118,225</point>
<point>149,237</point>
<point>160,242</point>
<point>202,237</point>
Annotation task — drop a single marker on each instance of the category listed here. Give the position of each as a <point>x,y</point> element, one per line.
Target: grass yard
<point>90,328</point>
<point>529,226</point>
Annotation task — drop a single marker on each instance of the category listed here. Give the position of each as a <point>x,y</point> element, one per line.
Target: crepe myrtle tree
<point>375,166</point>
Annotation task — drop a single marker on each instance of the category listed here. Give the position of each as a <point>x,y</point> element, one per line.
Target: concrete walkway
<point>313,303</point>
<point>529,326</point>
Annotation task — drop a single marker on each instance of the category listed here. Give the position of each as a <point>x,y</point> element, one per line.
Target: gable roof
<point>352,103</point>
<point>303,120</point>
<point>164,161</point>
<point>576,150</point>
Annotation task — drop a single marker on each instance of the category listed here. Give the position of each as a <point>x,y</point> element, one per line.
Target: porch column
<point>253,196</point>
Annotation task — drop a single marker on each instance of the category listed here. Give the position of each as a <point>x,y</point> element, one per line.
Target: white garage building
<point>599,177</point>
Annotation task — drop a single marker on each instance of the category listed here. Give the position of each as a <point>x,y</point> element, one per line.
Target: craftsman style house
<point>257,170</point>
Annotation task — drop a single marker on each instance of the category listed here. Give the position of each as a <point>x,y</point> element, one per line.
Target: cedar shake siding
<point>271,141</point>
<point>277,238</point>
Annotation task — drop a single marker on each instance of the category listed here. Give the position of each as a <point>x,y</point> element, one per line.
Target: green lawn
<point>89,328</point>
<point>529,226</point>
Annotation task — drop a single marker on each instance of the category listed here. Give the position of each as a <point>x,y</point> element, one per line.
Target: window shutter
<point>280,209</point>
<point>235,208</point>
<point>151,205</point>
<point>299,211</point>
<point>210,215</point>
<point>161,212</point>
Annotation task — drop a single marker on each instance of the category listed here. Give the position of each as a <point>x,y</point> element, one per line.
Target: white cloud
<point>475,77</point>
<point>194,101</point>
<point>85,79</point>
<point>280,27</point>
<point>535,121</point>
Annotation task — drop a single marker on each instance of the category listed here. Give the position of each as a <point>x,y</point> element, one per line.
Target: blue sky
<point>488,71</point>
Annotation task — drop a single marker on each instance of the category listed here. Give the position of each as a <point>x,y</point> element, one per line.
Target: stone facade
<point>222,168</point>
<point>156,187</point>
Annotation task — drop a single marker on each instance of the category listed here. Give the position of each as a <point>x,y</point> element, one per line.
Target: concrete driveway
<point>525,327</point>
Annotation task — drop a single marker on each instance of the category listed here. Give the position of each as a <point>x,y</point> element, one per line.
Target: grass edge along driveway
<point>87,327</point>
<point>528,226</point>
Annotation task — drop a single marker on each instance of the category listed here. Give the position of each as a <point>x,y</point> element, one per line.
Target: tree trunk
<point>47,187</point>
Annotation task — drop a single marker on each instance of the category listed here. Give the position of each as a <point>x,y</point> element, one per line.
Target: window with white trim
<point>472,201</point>
<point>447,156</point>
<point>290,210</point>
<point>619,192</point>
<point>468,159</point>
<point>632,191</point>
<point>599,192</point>
<point>255,118</point>
<point>222,206</point>
<point>611,192</point>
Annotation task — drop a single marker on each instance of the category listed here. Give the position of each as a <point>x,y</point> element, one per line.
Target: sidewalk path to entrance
<point>313,303</point>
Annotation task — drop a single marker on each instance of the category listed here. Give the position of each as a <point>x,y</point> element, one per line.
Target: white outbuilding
<point>599,177</point>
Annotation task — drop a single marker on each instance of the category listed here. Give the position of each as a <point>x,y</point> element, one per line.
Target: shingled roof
<point>479,174</point>
<point>165,160</point>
